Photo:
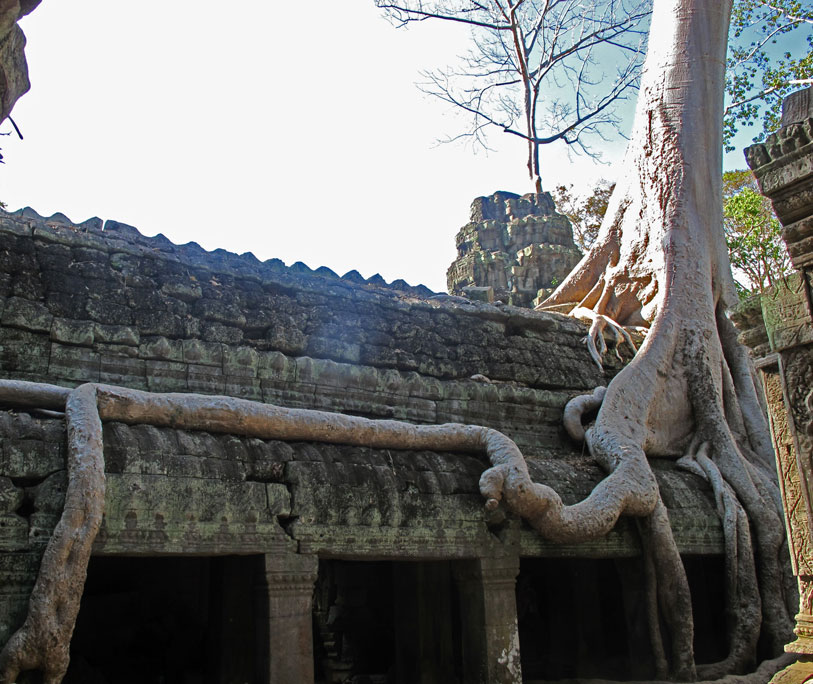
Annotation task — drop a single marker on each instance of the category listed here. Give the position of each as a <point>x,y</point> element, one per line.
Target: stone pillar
<point>289,581</point>
<point>488,620</point>
<point>783,166</point>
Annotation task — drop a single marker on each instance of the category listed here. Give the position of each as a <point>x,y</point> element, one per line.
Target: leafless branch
<point>526,56</point>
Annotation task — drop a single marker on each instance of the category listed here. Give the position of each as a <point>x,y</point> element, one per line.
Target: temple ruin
<point>514,249</point>
<point>222,550</point>
<point>298,560</point>
<point>302,560</point>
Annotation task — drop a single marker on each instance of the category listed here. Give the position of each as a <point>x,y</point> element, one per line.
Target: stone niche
<point>778,327</point>
<point>513,249</point>
<point>227,559</point>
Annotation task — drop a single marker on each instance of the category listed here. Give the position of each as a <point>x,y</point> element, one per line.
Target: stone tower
<point>518,246</point>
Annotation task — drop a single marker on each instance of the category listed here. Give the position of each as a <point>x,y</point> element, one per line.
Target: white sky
<point>289,129</point>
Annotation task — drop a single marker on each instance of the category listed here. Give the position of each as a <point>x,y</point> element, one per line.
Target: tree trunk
<point>660,261</point>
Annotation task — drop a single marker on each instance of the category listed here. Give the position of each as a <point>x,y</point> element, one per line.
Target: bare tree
<point>660,262</point>
<point>542,70</point>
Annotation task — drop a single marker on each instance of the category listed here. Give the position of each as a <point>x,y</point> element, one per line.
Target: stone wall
<point>94,303</point>
<point>778,326</point>
<point>102,303</point>
<point>514,249</point>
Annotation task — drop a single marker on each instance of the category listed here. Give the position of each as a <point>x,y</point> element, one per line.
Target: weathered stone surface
<point>797,107</point>
<point>786,316</point>
<point>177,491</point>
<point>26,315</point>
<point>83,304</point>
<point>13,68</point>
<point>226,324</point>
<point>517,246</point>
<point>747,317</point>
<point>783,165</point>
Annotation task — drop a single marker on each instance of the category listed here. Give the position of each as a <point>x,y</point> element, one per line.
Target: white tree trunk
<point>660,261</point>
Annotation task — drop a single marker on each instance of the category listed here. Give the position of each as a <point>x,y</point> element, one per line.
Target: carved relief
<point>789,479</point>
<point>797,366</point>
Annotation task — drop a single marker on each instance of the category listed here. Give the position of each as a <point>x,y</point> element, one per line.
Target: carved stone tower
<point>519,247</point>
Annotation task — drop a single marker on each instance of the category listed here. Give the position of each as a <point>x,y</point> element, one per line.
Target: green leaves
<point>770,52</point>
<point>585,213</point>
<point>753,234</point>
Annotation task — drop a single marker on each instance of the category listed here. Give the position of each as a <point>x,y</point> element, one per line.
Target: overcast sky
<point>288,129</point>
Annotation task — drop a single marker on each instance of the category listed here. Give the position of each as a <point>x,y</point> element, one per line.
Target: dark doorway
<point>386,623</point>
<point>583,618</point>
<point>706,575</point>
<point>183,620</point>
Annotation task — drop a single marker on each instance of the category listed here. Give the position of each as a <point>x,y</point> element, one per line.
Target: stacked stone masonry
<point>101,303</point>
<point>514,249</point>
<point>778,326</point>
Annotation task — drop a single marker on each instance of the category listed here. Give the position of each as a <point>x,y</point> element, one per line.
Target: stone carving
<point>795,506</point>
<point>520,247</point>
<point>783,166</point>
<point>43,641</point>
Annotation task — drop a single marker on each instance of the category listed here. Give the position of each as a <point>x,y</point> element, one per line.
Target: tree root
<point>575,410</point>
<point>743,602</point>
<point>43,640</point>
<point>743,489</point>
<point>672,592</point>
<point>595,336</point>
<point>630,488</point>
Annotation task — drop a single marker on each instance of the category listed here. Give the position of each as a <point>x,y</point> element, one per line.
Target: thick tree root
<point>43,640</point>
<point>743,602</point>
<point>576,409</point>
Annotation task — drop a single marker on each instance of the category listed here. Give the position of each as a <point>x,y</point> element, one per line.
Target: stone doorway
<point>584,618</point>
<point>184,620</point>
<point>387,622</point>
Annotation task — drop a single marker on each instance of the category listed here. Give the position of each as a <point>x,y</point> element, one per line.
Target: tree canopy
<point>770,54</point>
<point>556,70</point>
<point>752,231</point>
<point>585,213</point>
<point>753,234</point>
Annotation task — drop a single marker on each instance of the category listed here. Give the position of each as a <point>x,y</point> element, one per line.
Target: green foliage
<point>752,231</point>
<point>586,213</point>
<point>753,234</point>
<point>762,67</point>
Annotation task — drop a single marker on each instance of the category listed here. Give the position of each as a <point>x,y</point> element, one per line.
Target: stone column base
<point>801,671</point>
<point>804,633</point>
